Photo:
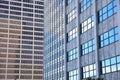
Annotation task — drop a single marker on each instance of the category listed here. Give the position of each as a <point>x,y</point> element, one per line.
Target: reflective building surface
<point>90,31</point>
<point>21,39</point>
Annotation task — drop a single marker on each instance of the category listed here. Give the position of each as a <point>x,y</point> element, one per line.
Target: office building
<point>88,32</point>
<point>21,39</point>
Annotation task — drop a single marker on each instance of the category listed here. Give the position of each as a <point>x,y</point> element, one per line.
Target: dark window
<point>4,2</point>
<point>38,57</point>
<point>3,16</point>
<point>38,29</point>
<point>15,17</point>
<point>26,56</point>
<point>15,3</point>
<point>28,14</point>
<point>39,2</point>
<point>28,5</point>
<point>27,28</point>
<point>4,11</point>
<point>26,51</point>
<point>15,8</point>
<point>27,10</point>
<point>4,6</point>
<point>15,13</point>
<point>27,37</point>
<point>39,7</point>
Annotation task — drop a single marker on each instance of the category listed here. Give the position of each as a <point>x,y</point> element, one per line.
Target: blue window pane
<point>116,37</point>
<point>110,6</point>
<point>100,12</point>
<point>86,51</point>
<point>90,49</point>
<point>107,62</point>
<point>106,42</point>
<point>113,60</point>
<point>110,13</point>
<point>84,2</point>
<point>104,10</point>
<point>100,19</point>
<point>104,16</point>
<point>101,44</point>
<point>101,37</point>
<point>116,30</point>
<point>118,59</point>
<point>106,35</point>
<point>114,3</point>
<point>112,39</point>
<point>103,63</point>
<point>88,4</point>
<point>115,9</point>
<point>86,45</point>
<point>118,66</point>
<point>111,32</point>
<point>90,43</point>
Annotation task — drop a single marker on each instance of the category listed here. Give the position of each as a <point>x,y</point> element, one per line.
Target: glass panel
<point>107,62</point>
<point>108,69</point>
<point>110,6</point>
<point>113,60</point>
<point>110,13</point>
<point>118,66</point>
<point>118,59</point>
<point>104,10</point>
<point>105,35</point>
<point>113,67</point>
<point>106,42</point>
<point>112,39</point>
<point>103,70</point>
<point>111,32</point>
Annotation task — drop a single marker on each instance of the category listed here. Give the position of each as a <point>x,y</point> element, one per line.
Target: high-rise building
<point>84,34</point>
<point>54,40</point>
<point>21,39</point>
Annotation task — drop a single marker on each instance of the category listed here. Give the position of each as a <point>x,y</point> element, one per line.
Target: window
<point>71,15</point>
<point>72,34</point>
<point>88,47</point>
<point>109,37</point>
<point>87,24</point>
<point>107,11</point>
<point>73,75</point>
<point>110,65</point>
<point>85,4</point>
<point>89,71</point>
<point>72,54</point>
<point>68,1</point>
